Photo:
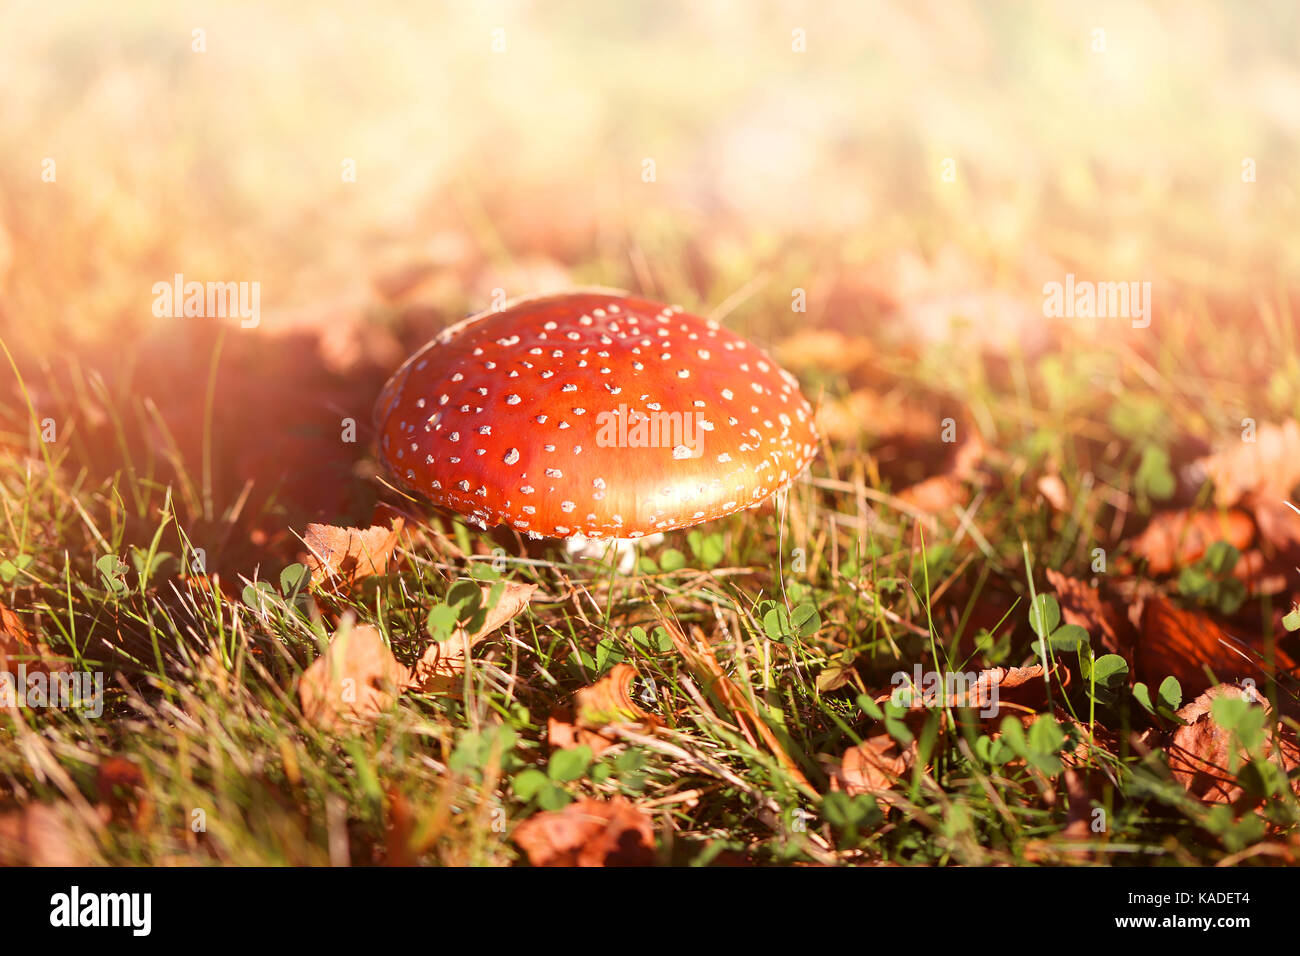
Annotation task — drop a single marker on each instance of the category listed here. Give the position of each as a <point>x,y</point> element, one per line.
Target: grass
<point>808,607</point>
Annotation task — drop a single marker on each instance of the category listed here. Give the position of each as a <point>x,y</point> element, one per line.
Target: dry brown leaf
<point>341,556</point>
<point>1176,539</point>
<point>880,761</point>
<point>1184,643</point>
<point>594,709</point>
<point>988,684</point>
<point>874,766</point>
<point>1083,605</point>
<point>1263,575</point>
<point>354,681</point>
<point>940,493</point>
<point>440,669</point>
<point>122,793</point>
<point>1200,754</point>
<point>589,833</point>
<point>1278,525</point>
<point>14,639</point>
<point>824,350</point>
<point>41,835</point>
<point>400,830</point>
<point>1268,467</point>
<point>17,643</point>
<point>1052,488</point>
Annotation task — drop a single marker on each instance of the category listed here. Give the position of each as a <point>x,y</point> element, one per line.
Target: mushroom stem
<point>624,550</point>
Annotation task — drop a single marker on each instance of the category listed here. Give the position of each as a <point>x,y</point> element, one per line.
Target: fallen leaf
<point>1200,753</point>
<point>825,350</point>
<point>345,555</point>
<point>589,833</point>
<point>122,793</point>
<point>1052,488</point>
<point>1263,575</point>
<point>1269,466</point>
<point>399,831</point>
<point>880,761</point>
<point>440,669</point>
<point>1084,606</point>
<point>1278,525</point>
<point>873,766</point>
<point>1176,539</point>
<point>1185,643</point>
<point>14,638</point>
<point>354,681</point>
<point>18,643</point>
<point>985,690</point>
<point>940,493</point>
<point>594,709</point>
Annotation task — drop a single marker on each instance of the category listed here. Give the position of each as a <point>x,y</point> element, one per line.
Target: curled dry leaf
<point>1176,539</point>
<point>875,765</point>
<point>1020,687</point>
<point>589,833</point>
<point>440,669</point>
<point>1267,467</point>
<point>1185,643</point>
<point>594,709</point>
<point>342,556</point>
<point>1200,753</point>
<point>354,681</point>
<point>1085,606</point>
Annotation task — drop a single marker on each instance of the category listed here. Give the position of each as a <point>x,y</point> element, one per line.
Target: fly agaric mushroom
<point>593,414</point>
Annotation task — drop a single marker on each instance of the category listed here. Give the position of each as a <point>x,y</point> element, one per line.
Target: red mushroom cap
<point>593,413</point>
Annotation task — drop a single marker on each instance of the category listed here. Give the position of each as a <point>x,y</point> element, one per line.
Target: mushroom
<point>593,415</point>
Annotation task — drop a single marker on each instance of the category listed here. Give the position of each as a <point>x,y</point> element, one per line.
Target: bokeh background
<point>1115,155</point>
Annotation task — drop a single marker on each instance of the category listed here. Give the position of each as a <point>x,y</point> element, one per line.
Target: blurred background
<point>918,169</point>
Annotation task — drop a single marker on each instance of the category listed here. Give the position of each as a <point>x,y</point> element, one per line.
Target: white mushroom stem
<point>624,550</point>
